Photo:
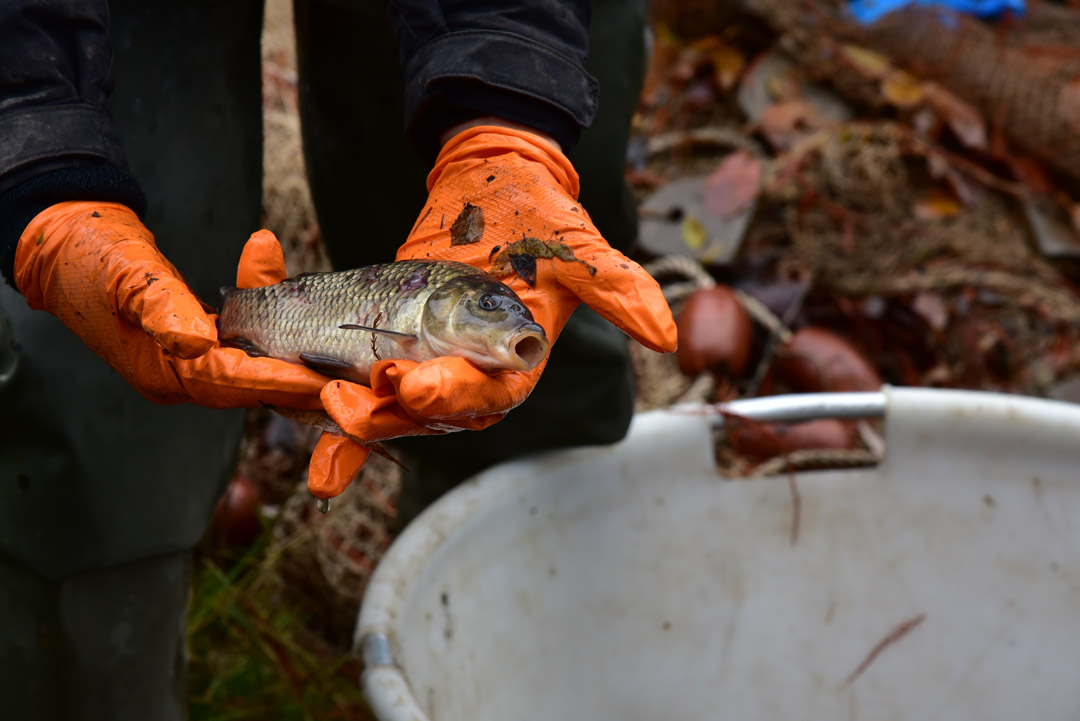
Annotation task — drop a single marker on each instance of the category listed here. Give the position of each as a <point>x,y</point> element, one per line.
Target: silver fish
<point>341,323</point>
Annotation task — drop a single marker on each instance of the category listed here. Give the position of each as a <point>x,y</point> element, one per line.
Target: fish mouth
<point>528,347</point>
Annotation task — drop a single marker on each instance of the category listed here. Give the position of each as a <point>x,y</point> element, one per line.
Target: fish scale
<point>300,319</point>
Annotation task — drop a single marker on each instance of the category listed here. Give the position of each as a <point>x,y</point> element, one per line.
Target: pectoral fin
<point>403,339</point>
<point>333,367</point>
<point>243,344</point>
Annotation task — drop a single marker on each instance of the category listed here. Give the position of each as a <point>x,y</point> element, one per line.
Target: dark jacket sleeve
<point>56,137</point>
<point>521,60</point>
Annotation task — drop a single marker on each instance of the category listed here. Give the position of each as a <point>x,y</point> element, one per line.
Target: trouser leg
<point>368,187</point>
<point>104,645</point>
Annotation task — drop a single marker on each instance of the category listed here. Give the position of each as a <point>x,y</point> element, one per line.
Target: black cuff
<point>451,102</point>
<point>486,72</point>
<point>20,204</point>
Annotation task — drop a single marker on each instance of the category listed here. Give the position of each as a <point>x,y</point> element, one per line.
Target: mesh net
<point>1023,75</point>
<point>324,561</point>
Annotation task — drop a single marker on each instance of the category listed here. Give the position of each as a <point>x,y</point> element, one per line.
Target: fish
<point>341,323</point>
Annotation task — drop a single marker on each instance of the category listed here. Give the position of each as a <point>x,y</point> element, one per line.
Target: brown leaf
<point>734,185</point>
<point>933,309</point>
<point>728,65</point>
<point>961,117</point>
<point>784,123</point>
<point>469,226</point>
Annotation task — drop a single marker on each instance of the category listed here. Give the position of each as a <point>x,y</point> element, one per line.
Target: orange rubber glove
<point>95,267</point>
<point>525,188</point>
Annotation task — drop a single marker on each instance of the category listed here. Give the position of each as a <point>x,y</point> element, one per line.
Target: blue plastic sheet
<point>869,11</point>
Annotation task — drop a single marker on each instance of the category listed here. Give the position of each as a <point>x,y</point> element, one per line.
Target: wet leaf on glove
<point>469,226</point>
<point>734,185</point>
<point>524,265</point>
<point>521,256</point>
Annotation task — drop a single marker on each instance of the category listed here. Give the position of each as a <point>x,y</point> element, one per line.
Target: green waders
<point>103,494</point>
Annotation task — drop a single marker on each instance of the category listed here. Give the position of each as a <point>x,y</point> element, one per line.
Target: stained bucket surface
<point>633,582</point>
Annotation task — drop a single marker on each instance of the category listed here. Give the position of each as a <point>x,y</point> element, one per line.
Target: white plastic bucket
<point>632,582</point>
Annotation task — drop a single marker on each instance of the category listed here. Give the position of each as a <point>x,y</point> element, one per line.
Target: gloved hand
<point>537,239</point>
<point>95,267</point>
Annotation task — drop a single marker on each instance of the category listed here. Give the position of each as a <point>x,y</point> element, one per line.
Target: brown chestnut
<point>714,333</point>
<point>236,516</point>
<point>760,441</point>
<point>819,360</point>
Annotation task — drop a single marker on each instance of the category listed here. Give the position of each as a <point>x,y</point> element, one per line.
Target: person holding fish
<point>122,209</point>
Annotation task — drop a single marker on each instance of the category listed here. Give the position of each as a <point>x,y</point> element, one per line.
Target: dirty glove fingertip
<point>334,464</point>
<point>175,319</point>
<point>262,262</point>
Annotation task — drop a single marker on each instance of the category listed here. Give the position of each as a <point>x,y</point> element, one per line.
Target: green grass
<point>252,655</point>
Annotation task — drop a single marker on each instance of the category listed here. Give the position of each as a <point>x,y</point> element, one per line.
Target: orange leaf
<point>728,65</point>
<point>865,62</point>
<point>937,204</point>
<point>902,89</point>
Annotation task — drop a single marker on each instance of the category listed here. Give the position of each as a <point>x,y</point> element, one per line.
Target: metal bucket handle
<point>797,408</point>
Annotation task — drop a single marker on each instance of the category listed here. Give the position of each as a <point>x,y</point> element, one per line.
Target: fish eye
<point>487,302</point>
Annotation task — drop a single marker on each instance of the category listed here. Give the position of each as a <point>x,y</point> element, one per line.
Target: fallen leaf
<point>1030,173</point>
<point>783,124</point>
<point>902,89</point>
<point>468,227</point>
<point>961,117</point>
<point>783,87</point>
<point>865,62</point>
<point>933,309</point>
<point>734,185</point>
<point>728,64</point>
<point>693,233</point>
<point>937,204</point>
<point>940,169</point>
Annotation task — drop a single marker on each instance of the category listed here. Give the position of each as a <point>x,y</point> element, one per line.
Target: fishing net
<point>1023,75</point>
<point>287,205</point>
<point>1027,87</point>
<point>327,560</point>
<point>324,561</point>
